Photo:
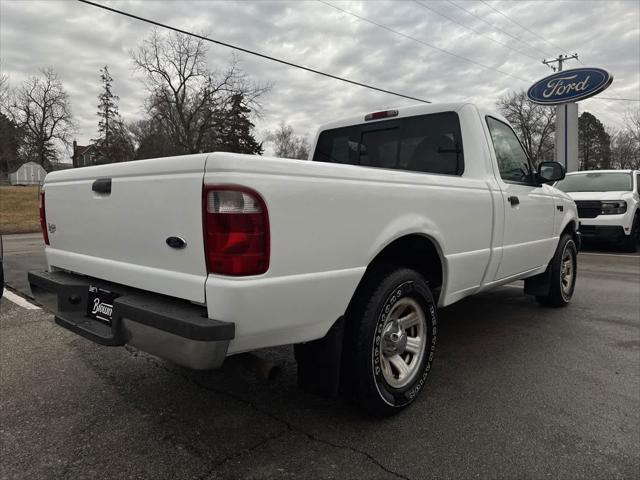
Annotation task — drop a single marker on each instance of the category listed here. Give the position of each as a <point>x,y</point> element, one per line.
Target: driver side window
<point>512,161</point>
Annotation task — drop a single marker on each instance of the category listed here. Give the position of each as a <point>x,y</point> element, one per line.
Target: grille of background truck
<point>589,208</point>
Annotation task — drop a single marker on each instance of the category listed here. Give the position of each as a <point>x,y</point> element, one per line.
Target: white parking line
<point>18,300</point>
<point>609,255</point>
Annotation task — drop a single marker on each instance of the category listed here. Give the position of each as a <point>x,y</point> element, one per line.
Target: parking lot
<point>517,391</point>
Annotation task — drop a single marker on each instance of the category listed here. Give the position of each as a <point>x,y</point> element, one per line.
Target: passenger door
<point>529,208</point>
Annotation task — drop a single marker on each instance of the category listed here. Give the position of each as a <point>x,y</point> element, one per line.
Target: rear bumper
<point>164,326</point>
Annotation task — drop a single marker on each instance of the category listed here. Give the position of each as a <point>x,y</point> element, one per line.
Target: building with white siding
<point>29,173</point>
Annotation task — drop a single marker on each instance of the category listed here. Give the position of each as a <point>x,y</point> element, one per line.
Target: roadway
<point>517,391</point>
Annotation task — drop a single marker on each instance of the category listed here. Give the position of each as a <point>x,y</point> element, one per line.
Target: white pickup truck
<point>347,255</point>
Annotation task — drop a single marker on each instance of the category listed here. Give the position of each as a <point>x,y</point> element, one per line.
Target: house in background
<point>29,173</point>
<point>84,156</point>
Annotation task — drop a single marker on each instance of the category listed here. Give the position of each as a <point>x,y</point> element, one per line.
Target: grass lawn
<point>19,210</point>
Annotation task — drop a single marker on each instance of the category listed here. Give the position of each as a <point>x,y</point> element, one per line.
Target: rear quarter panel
<point>327,222</point>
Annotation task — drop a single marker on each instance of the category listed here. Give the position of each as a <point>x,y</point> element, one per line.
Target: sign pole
<point>566,148</point>
<point>566,151</point>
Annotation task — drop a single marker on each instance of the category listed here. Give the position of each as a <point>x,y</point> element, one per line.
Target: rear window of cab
<point>426,143</point>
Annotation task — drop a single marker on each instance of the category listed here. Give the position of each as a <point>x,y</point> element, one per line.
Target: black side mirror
<point>550,172</point>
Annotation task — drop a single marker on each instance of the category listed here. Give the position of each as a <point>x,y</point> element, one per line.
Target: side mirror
<point>550,172</point>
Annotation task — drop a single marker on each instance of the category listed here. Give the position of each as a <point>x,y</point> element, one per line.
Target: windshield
<point>596,182</point>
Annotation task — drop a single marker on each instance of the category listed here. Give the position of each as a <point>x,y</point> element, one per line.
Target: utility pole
<point>566,150</point>
<point>561,58</point>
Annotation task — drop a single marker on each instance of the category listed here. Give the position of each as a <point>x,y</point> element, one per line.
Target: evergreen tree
<point>113,143</point>
<point>11,137</point>
<point>234,129</point>
<point>151,140</point>
<point>594,143</point>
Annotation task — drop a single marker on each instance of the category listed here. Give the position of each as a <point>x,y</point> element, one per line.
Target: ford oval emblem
<point>176,242</point>
<point>569,86</point>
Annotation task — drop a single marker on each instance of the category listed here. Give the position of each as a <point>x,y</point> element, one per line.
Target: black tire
<point>559,293</point>
<point>386,293</point>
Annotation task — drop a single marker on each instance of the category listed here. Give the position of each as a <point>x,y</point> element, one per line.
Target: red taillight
<point>236,230</point>
<point>43,220</point>
<point>379,115</point>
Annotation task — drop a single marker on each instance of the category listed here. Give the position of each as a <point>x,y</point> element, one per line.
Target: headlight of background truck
<point>614,208</point>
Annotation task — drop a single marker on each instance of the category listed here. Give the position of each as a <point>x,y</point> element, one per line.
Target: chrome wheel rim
<point>403,342</point>
<point>567,272</point>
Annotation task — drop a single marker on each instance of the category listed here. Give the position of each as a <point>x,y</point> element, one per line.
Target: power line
<point>477,32</point>
<point>409,37</point>
<point>251,52</point>
<point>616,98</point>
<point>525,28</point>
<point>498,28</point>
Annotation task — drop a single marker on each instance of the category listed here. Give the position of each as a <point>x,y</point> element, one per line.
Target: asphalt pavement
<point>516,391</point>
<point>22,253</point>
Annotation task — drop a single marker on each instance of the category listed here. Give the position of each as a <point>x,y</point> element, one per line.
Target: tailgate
<point>121,236</point>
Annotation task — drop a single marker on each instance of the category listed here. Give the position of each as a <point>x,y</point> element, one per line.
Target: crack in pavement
<point>289,426</point>
<point>243,451</point>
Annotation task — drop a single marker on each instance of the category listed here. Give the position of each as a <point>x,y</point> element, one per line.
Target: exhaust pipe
<point>263,369</point>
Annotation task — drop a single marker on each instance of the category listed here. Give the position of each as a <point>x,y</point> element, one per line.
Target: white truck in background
<point>347,255</point>
<point>608,204</point>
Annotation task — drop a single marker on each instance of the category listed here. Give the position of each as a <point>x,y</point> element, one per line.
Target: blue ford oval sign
<point>569,86</point>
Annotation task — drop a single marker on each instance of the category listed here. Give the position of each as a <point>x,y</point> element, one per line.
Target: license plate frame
<point>100,304</point>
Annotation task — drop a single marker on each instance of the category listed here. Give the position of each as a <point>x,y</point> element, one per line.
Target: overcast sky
<point>77,39</point>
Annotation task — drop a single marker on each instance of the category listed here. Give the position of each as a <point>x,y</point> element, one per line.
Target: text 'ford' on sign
<point>569,86</point>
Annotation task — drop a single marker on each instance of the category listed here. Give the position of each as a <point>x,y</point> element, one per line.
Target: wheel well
<point>417,252</point>
<point>411,251</point>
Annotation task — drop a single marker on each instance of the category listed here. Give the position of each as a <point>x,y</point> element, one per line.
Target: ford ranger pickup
<point>347,255</point>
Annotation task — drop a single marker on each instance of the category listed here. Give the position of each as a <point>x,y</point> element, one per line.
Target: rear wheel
<point>393,340</point>
<point>564,269</point>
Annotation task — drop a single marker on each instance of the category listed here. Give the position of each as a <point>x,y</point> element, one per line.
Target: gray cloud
<point>77,40</point>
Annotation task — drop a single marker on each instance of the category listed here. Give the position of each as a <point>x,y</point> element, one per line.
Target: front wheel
<point>394,341</point>
<point>564,269</point>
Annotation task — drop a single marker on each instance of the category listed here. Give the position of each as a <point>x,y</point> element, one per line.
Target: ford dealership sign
<point>569,86</point>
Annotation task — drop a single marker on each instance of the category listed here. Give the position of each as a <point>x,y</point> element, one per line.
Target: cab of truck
<point>607,202</point>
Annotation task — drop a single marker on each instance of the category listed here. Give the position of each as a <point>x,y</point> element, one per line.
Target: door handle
<point>513,200</point>
<point>102,185</point>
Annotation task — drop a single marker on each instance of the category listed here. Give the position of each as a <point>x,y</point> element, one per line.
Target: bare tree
<point>184,94</point>
<point>534,124</point>
<point>4,92</point>
<point>632,123</point>
<point>625,142</point>
<point>40,108</point>
<point>625,151</point>
<point>288,145</point>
